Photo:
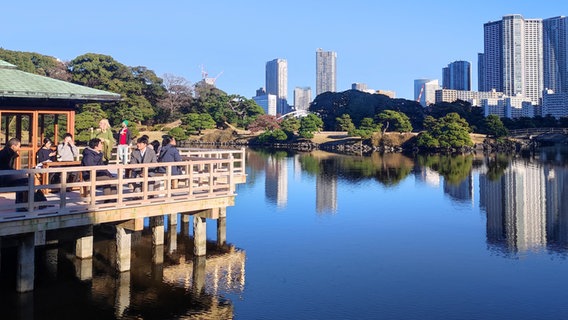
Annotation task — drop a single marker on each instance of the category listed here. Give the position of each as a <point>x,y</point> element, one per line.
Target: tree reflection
<point>388,169</point>
<point>454,168</point>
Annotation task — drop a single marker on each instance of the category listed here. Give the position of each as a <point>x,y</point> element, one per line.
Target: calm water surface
<point>323,236</point>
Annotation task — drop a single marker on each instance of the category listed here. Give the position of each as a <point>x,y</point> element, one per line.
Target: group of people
<point>97,153</point>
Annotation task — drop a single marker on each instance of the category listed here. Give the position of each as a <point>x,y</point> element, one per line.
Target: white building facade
<point>326,71</point>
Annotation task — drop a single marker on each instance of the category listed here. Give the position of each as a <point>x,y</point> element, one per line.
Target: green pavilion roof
<point>15,83</point>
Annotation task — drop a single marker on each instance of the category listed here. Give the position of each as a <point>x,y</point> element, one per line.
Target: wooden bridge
<point>204,190</point>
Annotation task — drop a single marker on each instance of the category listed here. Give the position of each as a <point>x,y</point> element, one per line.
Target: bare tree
<point>178,94</point>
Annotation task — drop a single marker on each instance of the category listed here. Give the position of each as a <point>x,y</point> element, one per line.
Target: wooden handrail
<point>200,178</point>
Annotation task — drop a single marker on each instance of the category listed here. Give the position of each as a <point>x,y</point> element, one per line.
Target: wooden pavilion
<point>33,107</point>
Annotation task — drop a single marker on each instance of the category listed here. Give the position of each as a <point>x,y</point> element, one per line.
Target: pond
<point>325,236</point>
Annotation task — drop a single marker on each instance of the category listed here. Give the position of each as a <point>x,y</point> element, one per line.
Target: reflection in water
<point>276,184</point>
<point>525,200</point>
<point>162,284</point>
<point>526,208</point>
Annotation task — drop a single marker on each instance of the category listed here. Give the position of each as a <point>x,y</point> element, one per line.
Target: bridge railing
<point>199,179</point>
<point>537,131</point>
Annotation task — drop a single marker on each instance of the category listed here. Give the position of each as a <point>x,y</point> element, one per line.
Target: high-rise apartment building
<point>457,76</point>
<point>555,54</point>
<point>277,83</point>
<point>326,71</point>
<point>302,98</point>
<point>512,59</point>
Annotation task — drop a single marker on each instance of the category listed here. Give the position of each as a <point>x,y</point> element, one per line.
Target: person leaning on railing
<point>93,156</point>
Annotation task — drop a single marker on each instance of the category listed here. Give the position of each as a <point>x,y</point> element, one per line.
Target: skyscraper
<point>512,58</point>
<point>302,98</point>
<point>326,71</point>
<point>277,83</point>
<point>425,91</point>
<point>457,76</point>
<point>555,55</point>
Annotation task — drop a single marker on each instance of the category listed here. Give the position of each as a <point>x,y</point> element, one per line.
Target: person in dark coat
<point>93,156</point>
<point>169,153</point>
<point>8,156</point>
<point>45,153</point>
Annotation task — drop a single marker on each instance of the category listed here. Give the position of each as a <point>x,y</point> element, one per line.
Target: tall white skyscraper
<point>555,54</point>
<point>302,98</point>
<point>277,83</point>
<point>457,76</point>
<point>512,58</point>
<point>326,71</point>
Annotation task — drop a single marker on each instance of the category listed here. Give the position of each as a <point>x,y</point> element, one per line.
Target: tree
<point>367,128</point>
<point>290,126</point>
<point>398,120</point>
<point>310,124</point>
<point>264,122</point>
<point>178,94</point>
<point>178,133</point>
<point>495,126</point>
<point>273,136</point>
<point>87,117</point>
<point>195,122</point>
<point>344,123</point>
<point>450,131</point>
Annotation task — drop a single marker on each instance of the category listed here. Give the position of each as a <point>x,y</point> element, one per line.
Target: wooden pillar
<point>157,225</point>
<point>222,227</point>
<point>123,247</point>
<point>26,263</point>
<point>199,235</point>
<point>84,244</point>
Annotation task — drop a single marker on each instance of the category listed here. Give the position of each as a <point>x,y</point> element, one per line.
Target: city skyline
<point>386,46</point>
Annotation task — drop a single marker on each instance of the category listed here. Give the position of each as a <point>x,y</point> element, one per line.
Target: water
<point>323,236</point>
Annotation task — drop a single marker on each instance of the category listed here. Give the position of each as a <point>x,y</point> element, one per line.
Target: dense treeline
<point>146,98</point>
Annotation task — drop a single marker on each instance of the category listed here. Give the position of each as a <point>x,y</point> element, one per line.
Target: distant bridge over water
<point>542,135</point>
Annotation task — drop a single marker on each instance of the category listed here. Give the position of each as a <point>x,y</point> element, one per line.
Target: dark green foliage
<point>359,105</point>
<point>196,122</point>
<point>270,136</point>
<point>178,133</point>
<point>344,123</point>
<point>394,121</point>
<point>308,125</point>
<point>494,126</point>
<point>450,131</point>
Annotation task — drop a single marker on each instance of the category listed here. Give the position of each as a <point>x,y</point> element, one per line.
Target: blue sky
<point>385,44</point>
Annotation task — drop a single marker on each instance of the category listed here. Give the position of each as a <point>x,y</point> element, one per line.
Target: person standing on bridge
<point>105,135</point>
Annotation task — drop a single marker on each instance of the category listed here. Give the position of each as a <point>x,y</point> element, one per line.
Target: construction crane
<point>420,94</point>
<point>206,79</point>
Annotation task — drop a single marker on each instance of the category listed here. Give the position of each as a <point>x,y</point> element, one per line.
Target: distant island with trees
<point>153,103</point>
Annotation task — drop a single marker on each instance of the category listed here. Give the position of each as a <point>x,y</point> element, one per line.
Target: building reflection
<point>526,208</point>
<point>276,184</point>
<point>326,193</point>
<point>462,191</point>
